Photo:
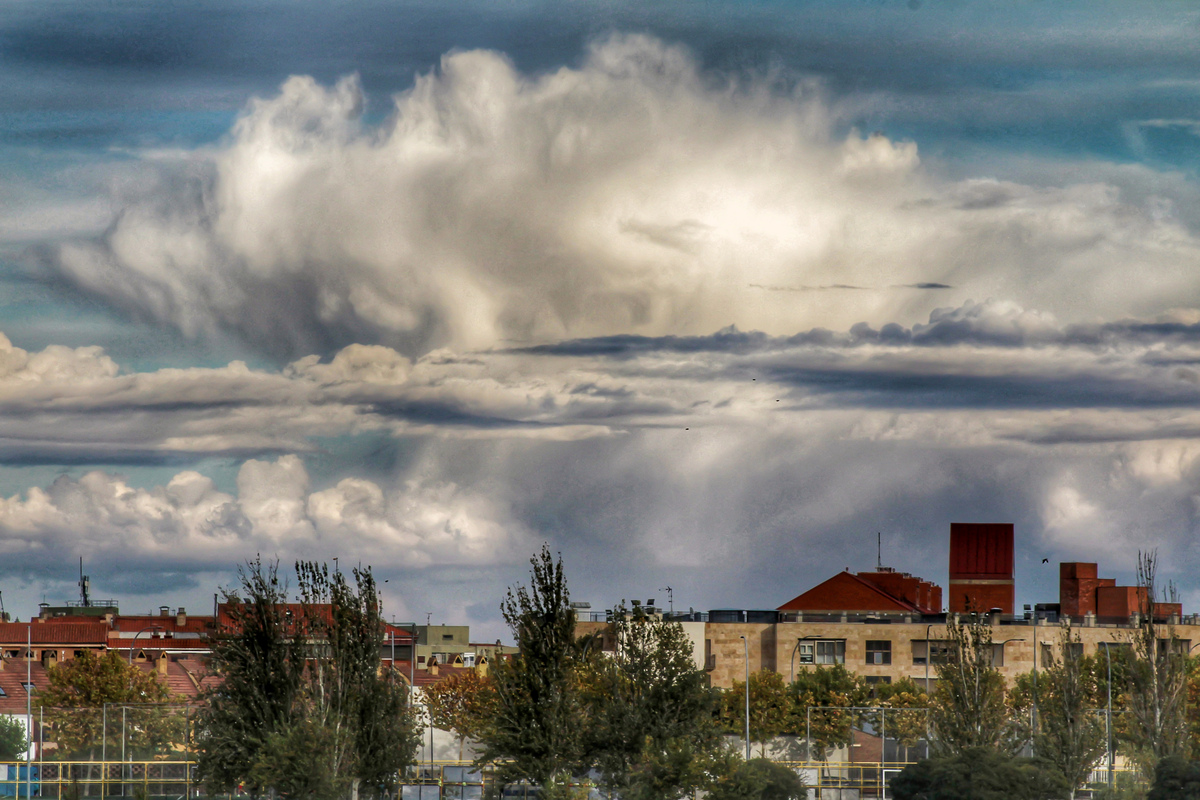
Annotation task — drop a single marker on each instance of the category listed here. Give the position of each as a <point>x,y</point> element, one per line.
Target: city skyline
<point>701,295</point>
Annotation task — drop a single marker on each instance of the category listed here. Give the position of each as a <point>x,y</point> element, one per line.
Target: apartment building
<point>886,625</point>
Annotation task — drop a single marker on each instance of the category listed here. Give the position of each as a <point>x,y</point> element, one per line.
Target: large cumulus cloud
<point>188,526</point>
<point>633,194</point>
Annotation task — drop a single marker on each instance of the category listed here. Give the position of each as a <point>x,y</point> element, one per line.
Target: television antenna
<point>670,598</point>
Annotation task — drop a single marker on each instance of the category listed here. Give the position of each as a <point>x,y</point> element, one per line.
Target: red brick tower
<point>981,567</point>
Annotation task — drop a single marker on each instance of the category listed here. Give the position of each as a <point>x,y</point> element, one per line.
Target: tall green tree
<point>536,731</point>
<point>647,707</point>
<point>904,712</point>
<point>303,709</point>
<point>1157,680</point>
<point>1069,733</point>
<point>78,690</point>
<point>821,699</point>
<point>969,704</point>
<point>771,708</point>
<point>260,661</point>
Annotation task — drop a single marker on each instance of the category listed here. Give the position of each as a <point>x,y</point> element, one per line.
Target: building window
<point>879,652</point>
<point>806,653</point>
<point>447,637</point>
<point>1047,654</point>
<point>831,652</point>
<point>875,680</point>
<point>932,651</point>
<point>1075,649</point>
<point>997,654</point>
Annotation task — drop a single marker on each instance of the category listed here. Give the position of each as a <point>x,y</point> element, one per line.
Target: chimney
<point>43,610</point>
<point>180,617</point>
<point>164,611</point>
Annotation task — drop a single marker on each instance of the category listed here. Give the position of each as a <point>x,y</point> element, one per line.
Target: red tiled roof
<point>12,678</point>
<point>847,592</point>
<point>53,631</point>
<point>321,611</point>
<point>130,624</point>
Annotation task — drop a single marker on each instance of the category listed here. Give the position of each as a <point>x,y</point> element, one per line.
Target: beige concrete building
<point>887,650</point>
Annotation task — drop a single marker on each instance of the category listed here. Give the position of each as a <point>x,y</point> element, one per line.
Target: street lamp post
<point>133,644</point>
<point>928,694</point>
<point>1034,711</point>
<point>978,717</point>
<point>746,648</point>
<point>132,647</point>
<point>1108,716</point>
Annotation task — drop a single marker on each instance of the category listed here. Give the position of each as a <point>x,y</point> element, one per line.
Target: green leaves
<point>302,691</point>
<point>80,687</point>
<point>536,728</point>
<point>978,773</point>
<point>969,709</point>
<point>642,718</point>
<point>13,743</point>
<point>650,711</point>
<point>759,779</point>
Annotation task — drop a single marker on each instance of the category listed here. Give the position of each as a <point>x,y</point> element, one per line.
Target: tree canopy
<point>13,743</point>
<point>303,709</point>
<point>78,690</point>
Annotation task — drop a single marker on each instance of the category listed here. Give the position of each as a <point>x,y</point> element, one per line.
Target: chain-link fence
<point>117,750</point>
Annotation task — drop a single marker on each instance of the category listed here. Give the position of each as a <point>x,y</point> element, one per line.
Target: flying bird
<point>1045,561</point>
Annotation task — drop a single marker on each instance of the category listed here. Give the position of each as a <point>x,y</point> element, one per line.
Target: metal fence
<point>73,780</point>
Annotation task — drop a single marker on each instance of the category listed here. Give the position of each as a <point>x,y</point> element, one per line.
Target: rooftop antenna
<point>878,551</point>
<point>670,598</point>
<point>84,586</point>
<point>3,615</point>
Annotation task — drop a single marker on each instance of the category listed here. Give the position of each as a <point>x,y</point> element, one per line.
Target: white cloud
<point>632,194</point>
<point>188,524</point>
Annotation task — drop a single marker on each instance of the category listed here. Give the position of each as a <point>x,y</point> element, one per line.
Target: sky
<point>704,295</point>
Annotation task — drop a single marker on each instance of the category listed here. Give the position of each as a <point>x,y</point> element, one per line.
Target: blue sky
<point>697,292</point>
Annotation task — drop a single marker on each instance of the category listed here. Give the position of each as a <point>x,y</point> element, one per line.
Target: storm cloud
<point>635,194</point>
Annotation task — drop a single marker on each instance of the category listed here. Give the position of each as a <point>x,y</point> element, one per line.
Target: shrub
<point>979,774</point>
<point>759,779</point>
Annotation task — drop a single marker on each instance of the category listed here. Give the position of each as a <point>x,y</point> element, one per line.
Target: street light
<point>1108,716</point>
<point>133,644</point>
<point>746,648</point>
<point>978,716</point>
<point>1034,711</point>
<point>794,649</point>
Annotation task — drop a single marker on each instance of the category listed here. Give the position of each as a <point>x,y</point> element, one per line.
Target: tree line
<point>304,709</point>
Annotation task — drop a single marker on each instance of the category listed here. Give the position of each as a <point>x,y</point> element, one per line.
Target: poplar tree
<point>1070,735</point>
<point>969,709</point>
<point>303,709</point>
<point>536,733</point>
<point>1156,679</point>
